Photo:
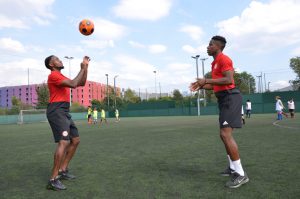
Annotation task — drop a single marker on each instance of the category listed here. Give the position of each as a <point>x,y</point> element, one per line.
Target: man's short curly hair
<point>47,61</point>
<point>221,39</point>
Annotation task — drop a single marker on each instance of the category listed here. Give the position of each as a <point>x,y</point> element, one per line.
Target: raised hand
<point>197,84</point>
<point>85,62</point>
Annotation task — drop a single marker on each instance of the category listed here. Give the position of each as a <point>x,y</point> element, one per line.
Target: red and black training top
<point>57,92</point>
<point>221,64</point>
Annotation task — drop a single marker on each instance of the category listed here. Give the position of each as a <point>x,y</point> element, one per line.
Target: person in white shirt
<point>279,108</point>
<point>291,106</point>
<point>248,108</point>
<point>242,115</point>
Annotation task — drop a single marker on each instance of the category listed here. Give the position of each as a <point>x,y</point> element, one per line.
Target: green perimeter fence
<point>261,103</point>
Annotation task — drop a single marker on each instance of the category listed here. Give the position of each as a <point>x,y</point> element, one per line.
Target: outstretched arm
<point>203,83</point>
<point>80,79</point>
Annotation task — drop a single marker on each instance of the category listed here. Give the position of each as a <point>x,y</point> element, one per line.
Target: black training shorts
<point>59,118</point>
<point>230,106</point>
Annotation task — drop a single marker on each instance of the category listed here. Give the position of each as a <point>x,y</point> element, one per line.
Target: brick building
<point>27,94</point>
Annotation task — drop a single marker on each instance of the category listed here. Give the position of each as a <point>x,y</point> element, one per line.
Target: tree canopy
<point>295,66</point>
<point>43,95</point>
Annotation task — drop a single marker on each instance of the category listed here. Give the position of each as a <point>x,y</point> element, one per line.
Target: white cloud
<point>41,21</point>
<point>296,52</point>
<point>98,44</point>
<point>182,74</point>
<point>136,73</point>
<point>132,65</point>
<point>143,10</point>
<point>195,32</point>
<point>237,70</point>
<point>189,49</point>
<point>136,44</point>
<point>182,67</point>
<point>279,84</point>
<point>194,50</point>
<point>20,14</point>
<point>264,26</point>
<point>18,72</point>
<point>105,34</point>
<point>108,30</point>
<point>98,69</point>
<point>153,48</point>
<point>8,44</point>
<point>6,22</point>
<point>157,48</point>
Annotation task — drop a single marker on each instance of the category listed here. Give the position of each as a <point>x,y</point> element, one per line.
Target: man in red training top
<point>230,104</point>
<point>64,130</point>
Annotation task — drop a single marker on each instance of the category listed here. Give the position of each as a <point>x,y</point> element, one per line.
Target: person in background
<point>95,116</point>
<point>103,116</point>
<point>279,108</point>
<point>242,115</point>
<point>291,107</point>
<point>117,115</point>
<point>89,114</point>
<point>248,108</point>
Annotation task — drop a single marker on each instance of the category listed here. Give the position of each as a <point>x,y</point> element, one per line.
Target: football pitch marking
<point>281,126</point>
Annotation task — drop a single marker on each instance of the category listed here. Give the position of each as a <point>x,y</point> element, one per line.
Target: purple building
<point>26,93</point>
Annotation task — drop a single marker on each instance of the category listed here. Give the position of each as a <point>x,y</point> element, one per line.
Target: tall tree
<point>245,82</point>
<point>177,96</point>
<point>43,95</point>
<point>15,101</point>
<point>130,96</point>
<point>295,65</point>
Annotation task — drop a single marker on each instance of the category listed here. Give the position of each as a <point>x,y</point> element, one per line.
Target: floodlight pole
<point>155,83</point>
<point>198,97</point>
<point>115,91</point>
<point>107,92</point>
<point>70,58</point>
<point>204,92</point>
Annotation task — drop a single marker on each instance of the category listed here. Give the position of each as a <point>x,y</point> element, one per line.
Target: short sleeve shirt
<point>58,93</point>
<point>221,64</point>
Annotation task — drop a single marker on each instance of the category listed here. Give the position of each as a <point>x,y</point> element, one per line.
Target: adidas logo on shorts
<point>225,123</point>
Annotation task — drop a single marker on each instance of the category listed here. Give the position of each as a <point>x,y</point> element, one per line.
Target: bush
<point>77,108</point>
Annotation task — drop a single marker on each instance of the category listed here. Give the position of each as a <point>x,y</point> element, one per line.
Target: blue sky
<point>133,38</point>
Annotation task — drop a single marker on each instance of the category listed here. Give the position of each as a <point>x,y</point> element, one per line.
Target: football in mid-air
<point>86,27</point>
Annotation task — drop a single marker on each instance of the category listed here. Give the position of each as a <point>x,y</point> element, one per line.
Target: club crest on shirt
<point>65,133</point>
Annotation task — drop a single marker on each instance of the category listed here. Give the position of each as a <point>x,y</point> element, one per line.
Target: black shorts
<point>59,118</point>
<point>291,110</point>
<point>230,106</point>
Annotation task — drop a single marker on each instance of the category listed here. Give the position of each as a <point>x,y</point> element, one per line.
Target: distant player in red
<point>229,102</point>
<point>64,130</point>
